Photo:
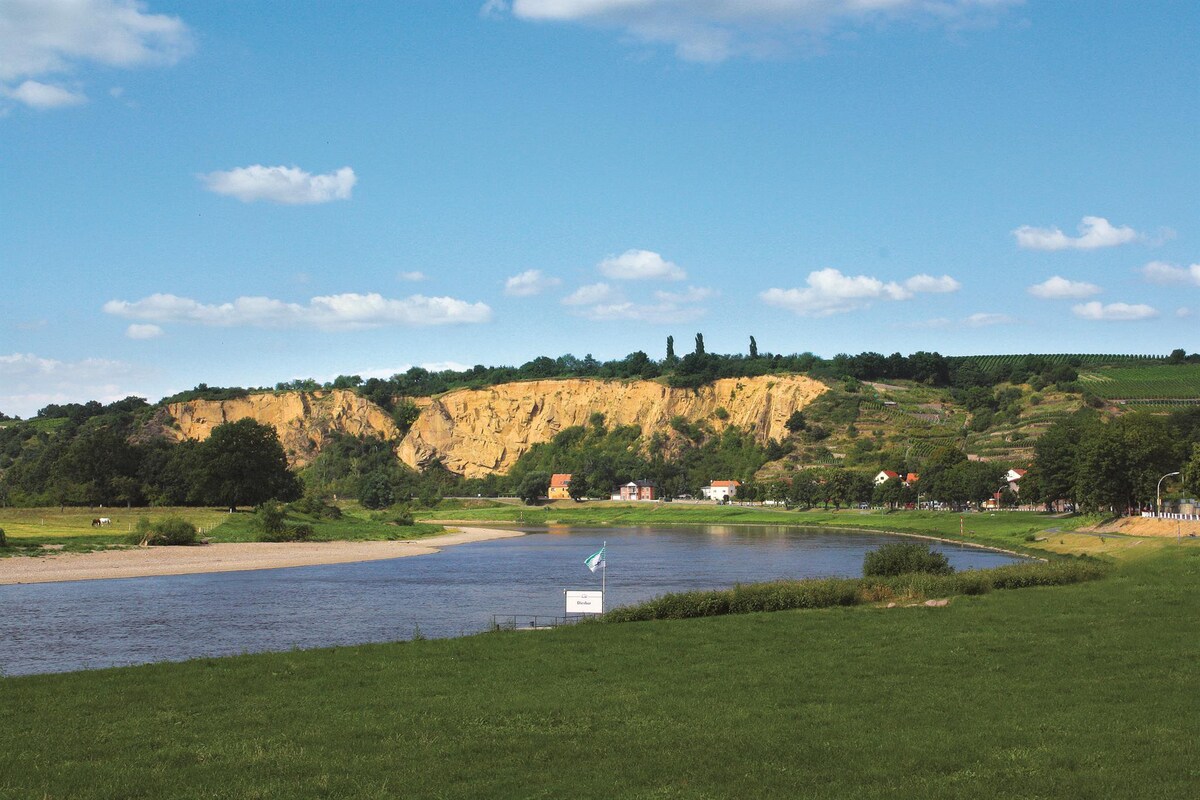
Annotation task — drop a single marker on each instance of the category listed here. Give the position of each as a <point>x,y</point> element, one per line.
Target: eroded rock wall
<point>476,432</point>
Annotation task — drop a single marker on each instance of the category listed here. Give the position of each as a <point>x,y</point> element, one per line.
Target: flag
<point>595,561</point>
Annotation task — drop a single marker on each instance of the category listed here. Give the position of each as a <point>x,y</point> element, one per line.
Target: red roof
<point>1020,471</point>
<point>912,478</point>
<point>560,480</point>
<point>726,483</point>
<point>891,474</point>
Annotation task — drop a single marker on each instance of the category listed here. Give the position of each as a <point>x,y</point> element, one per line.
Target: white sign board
<point>585,602</point>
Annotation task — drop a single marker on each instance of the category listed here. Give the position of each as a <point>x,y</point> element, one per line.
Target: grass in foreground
<point>1083,691</point>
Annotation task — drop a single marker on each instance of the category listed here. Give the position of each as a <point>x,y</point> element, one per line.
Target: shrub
<point>315,506</point>
<point>169,532</point>
<point>402,518</point>
<point>900,558</point>
<point>270,518</point>
<point>3,538</point>
<point>288,533</point>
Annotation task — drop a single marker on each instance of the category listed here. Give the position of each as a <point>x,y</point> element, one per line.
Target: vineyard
<point>1076,360</point>
<point>1164,384</point>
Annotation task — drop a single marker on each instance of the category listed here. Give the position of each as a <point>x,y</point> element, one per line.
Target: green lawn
<point>1083,691</point>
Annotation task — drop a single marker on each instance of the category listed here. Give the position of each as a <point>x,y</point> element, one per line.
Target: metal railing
<point>530,622</point>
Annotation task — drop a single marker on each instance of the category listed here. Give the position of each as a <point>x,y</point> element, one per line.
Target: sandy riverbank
<point>146,561</point>
<point>1148,526</point>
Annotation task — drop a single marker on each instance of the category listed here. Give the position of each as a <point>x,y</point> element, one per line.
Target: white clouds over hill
<point>830,292</point>
<point>334,312</point>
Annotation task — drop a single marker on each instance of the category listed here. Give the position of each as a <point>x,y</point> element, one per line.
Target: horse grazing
<point>101,521</point>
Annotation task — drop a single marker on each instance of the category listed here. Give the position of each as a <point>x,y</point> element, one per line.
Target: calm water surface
<point>89,624</point>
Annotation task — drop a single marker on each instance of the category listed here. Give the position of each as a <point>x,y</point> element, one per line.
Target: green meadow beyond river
<point>58,627</point>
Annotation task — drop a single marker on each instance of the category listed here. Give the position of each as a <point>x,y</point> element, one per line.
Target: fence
<point>530,622</point>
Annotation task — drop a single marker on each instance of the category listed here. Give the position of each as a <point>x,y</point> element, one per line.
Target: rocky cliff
<point>303,420</point>
<point>476,432</point>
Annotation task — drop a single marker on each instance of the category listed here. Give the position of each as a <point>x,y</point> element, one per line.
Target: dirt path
<point>146,561</point>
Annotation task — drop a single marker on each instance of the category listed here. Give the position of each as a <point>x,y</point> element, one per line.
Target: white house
<point>885,475</point>
<point>720,490</point>
<point>1013,477</point>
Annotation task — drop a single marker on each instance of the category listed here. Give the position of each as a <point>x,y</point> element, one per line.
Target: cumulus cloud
<point>29,382</point>
<point>44,95</point>
<point>42,38</point>
<point>529,283</point>
<point>639,265</point>
<point>414,276</point>
<point>1094,232</point>
<point>141,331</point>
<point>830,292</point>
<point>714,30</point>
<point>1183,313</point>
<point>1058,288</point>
<point>1096,310</point>
<point>1162,272</point>
<point>284,185</point>
<point>591,294</point>
<point>333,312</point>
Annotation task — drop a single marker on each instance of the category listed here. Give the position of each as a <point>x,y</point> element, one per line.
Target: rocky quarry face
<point>477,432</point>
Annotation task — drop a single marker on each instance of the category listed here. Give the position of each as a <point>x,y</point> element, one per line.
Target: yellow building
<point>560,486</point>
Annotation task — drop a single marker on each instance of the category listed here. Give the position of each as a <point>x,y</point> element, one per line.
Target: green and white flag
<point>595,561</point>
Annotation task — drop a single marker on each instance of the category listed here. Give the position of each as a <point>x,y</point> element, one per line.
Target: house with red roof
<point>720,490</point>
<point>560,486</point>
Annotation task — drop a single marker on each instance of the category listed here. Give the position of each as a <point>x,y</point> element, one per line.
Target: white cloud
<point>285,185</point>
<point>1161,272</point>
<point>1183,313</point>
<point>592,294</point>
<point>137,331</point>
<point>1094,232</point>
<point>1096,310</point>
<point>334,312</point>
<point>637,265</point>
<point>29,382</point>
<point>602,302</point>
<point>830,292</point>
<point>1058,288</point>
<point>983,320</point>
<point>414,276</point>
<point>529,283</point>
<point>714,30</point>
<point>40,38</point>
<point>930,284</point>
<point>44,95</point>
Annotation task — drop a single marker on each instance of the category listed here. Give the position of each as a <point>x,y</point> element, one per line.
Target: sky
<point>239,193</point>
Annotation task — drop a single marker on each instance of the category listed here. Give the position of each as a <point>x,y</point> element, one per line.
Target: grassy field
<point>29,529</point>
<point>1084,691</point>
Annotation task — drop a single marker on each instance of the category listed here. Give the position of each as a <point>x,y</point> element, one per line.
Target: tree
<point>700,344</point>
<point>578,488</point>
<point>671,358</point>
<point>533,487</point>
<point>753,348</point>
<point>243,463</point>
<point>376,491</point>
<point>796,422</point>
<point>1191,472</point>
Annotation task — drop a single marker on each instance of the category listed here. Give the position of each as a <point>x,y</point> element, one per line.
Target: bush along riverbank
<point>827,592</point>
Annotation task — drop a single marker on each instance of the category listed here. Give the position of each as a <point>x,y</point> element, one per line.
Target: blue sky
<point>240,193</point>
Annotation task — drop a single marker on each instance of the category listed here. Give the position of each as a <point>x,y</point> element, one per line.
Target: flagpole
<point>603,575</point>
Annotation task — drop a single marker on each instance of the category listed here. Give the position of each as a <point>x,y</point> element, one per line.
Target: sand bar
<point>141,562</point>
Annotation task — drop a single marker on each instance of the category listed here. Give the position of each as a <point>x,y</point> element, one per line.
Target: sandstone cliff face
<point>303,420</point>
<point>478,432</point>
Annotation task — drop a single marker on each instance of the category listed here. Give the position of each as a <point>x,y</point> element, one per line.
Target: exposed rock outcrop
<point>304,420</point>
<point>477,432</point>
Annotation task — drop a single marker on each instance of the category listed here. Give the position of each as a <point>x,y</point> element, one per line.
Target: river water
<point>58,627</point>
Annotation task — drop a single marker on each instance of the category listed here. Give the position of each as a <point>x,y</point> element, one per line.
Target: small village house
<point>560,486</point>
<point>884,476</point>
<point>636,490</point>
<point>721,490</point>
